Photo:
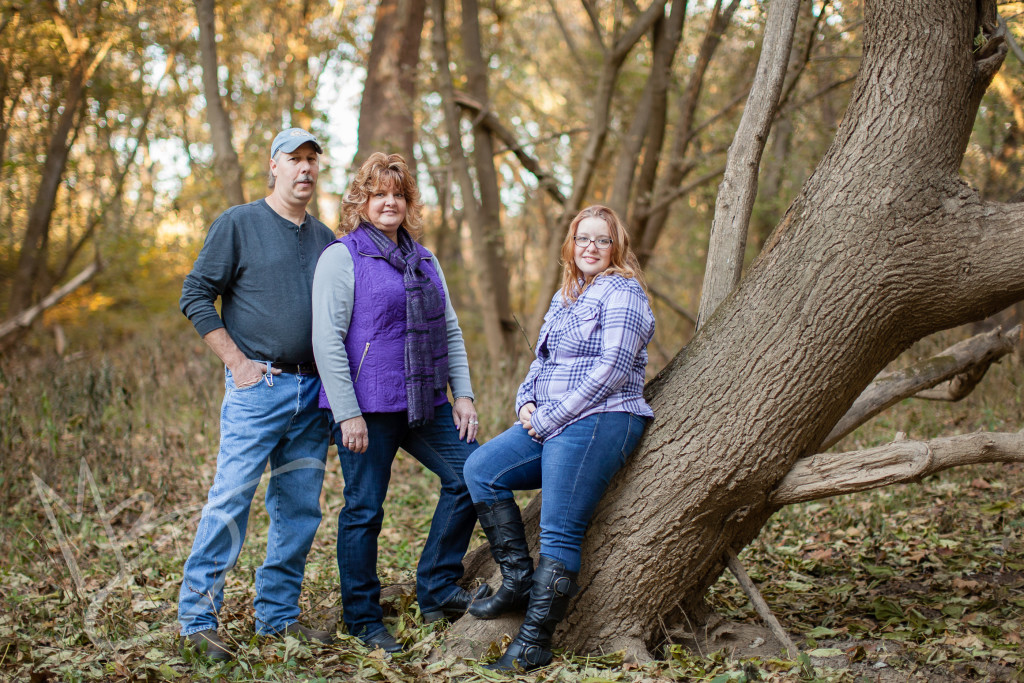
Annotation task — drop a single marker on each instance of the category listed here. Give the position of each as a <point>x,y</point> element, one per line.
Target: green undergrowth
<point>108,452</point>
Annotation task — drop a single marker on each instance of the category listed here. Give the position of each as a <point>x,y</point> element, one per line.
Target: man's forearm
<point>224,346</point>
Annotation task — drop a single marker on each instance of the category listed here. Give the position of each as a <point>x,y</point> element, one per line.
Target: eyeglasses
<point>584,242</point>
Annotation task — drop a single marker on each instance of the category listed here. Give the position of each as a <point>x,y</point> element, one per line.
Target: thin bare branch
<point>648,225</point>
<point>760,606</point>
<point>1011,41</point>
<point>72,41</point>
<point>567,35</point>
<point>671,303</point>
<point>595,23</point>
<point>635,32</point>
<point>957,388</point>
<point>664,202</point>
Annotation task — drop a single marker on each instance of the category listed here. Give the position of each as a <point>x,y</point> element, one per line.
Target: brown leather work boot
<point>300,632</point>
<point>207,644</point>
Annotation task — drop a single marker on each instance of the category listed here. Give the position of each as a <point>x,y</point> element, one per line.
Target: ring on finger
<point>474,422</point>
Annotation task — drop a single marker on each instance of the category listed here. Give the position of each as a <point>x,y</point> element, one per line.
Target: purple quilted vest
<point>375,342</point>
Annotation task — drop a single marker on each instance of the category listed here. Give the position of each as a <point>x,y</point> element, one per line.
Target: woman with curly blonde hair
<point>381,171</point>
<point>581,414</point>
<point>388,345</point>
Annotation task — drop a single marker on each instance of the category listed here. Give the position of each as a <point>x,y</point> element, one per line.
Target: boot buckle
<point>532,655</point>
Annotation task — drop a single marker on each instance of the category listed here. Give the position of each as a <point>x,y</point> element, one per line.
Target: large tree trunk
<point>884,244</point>
<point>225,158</point>
<point>386,121</point>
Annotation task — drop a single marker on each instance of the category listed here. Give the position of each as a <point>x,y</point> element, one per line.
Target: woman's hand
<point>525,413</point>
<point>354,435</point>
<point>466,421</point>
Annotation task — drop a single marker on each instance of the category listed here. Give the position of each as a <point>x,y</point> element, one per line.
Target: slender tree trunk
<point>781,139</point>
<point>300,84</point>
<point>597,133</point>
<point>770,184</point>
<point>884,245</point>
<point>4,120</point>
<point>647,223</point>
<point>229,170</point>
<point>33,245</point>
<point>738,191</point>
<point>647,130</point>
<point>488,239</point>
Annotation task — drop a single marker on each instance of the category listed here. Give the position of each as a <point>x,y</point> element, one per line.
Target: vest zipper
<point>366,350</point>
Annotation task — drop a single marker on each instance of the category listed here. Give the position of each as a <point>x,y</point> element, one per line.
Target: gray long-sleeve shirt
<point>333,295</point>
<point>261,265</point>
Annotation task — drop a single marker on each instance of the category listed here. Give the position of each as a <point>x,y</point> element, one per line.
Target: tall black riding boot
<point>503,526</point>
<point>553,588</point>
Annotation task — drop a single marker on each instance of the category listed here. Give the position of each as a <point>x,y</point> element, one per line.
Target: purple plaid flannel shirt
<point>591,356</point>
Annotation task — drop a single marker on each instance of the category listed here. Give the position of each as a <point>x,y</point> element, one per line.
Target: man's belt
<point>296,369</point>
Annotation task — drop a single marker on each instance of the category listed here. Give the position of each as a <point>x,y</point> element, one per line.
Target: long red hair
<point>623,260</point>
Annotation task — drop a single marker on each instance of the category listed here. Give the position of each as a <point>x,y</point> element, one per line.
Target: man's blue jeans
<point>367,475</point>
<point>572,470</point>
<point>283,425</point>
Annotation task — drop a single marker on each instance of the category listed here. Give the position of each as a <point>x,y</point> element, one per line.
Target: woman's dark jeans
<point>367,475</point>
<point>574,467</point>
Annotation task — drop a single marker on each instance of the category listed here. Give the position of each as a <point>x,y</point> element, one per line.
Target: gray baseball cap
<point>291,139</point>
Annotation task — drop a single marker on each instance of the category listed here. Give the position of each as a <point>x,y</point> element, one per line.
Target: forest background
<point>126,127</point>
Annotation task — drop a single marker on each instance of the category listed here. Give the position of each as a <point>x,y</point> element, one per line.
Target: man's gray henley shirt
<point>261,265</point>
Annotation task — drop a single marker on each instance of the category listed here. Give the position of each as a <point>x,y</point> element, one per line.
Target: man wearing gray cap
<point>259,259</point>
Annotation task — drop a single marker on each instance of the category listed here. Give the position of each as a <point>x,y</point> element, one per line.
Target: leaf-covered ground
<point>107,457</point>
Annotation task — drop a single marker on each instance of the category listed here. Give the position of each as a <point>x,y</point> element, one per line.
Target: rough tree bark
<point>225,158</point>
<point>884,245</point>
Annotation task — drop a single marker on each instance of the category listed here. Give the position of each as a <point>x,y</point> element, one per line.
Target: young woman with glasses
<point>581,414</point>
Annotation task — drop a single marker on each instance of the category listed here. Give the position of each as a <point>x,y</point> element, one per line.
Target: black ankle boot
<point>553,588</point>
<point>504,528</point>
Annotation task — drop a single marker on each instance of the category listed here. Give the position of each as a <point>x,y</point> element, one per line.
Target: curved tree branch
<point>902,461</point>
<point>957,388</point>
<point>892,387</point>
<point>25,318</point>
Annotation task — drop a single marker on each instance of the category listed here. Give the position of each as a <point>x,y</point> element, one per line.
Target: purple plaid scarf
<point>426,335</point>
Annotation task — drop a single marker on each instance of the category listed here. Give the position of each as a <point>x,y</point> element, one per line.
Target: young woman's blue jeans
<point>281,424</point>
<point>572,470</point>
<point>436,445</point>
